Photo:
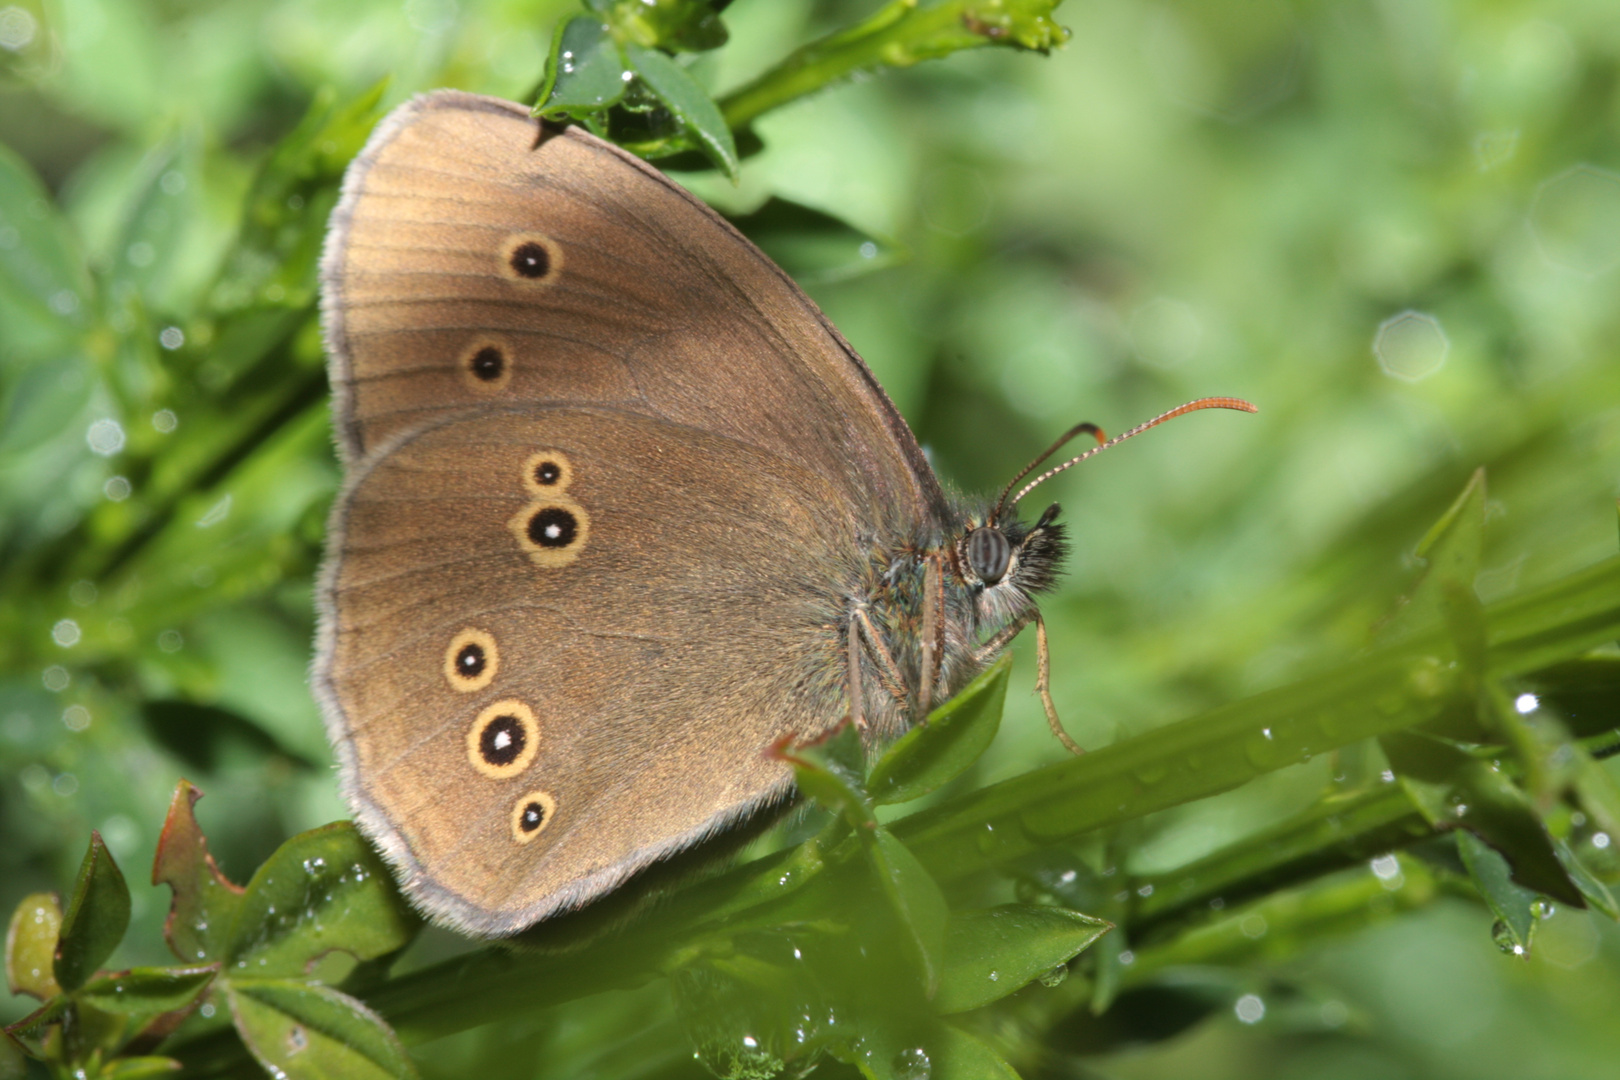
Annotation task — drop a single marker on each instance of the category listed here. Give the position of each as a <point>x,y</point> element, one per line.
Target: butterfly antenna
<point>1087,428</point>
<point>1192,406</point>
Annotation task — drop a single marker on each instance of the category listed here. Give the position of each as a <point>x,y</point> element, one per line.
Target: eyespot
<point>553,531</point>
<point>531,814</point>
<point>504,739</point>
<point>531,259</point>
<point>471,660</point>
<point>547,473</point>
<point>553,527</point>
<point>486,365</point>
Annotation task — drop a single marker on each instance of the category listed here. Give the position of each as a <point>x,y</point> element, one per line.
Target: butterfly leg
<point>991,649</point>
<point>1043,686</point>
<point>888,671</point>
<point>933,634</point>
<point>857,696</point>
<point>1043,669</point>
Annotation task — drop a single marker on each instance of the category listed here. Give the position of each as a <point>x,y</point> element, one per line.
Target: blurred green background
<point>1395,226</point>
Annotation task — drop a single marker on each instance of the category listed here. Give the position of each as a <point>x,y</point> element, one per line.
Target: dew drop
<point>1504,940</point>
<point>912,1063</point>
<point>1153,773</point>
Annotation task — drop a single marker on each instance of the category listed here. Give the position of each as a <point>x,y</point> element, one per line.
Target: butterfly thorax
<point>975,606</point>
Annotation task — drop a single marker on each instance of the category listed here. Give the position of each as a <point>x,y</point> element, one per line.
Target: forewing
<point>477,258</point>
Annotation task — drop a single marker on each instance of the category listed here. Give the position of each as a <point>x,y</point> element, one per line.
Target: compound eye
<point>988,554</point>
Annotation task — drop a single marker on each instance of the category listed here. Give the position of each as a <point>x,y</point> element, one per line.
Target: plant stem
<point>1340,831</point>
<point>898,35</point>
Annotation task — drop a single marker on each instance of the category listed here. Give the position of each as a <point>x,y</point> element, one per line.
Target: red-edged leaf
<point>204,900</point>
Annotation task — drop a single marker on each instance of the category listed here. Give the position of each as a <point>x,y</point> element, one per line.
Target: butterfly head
<point>999,550</point>
<point>1006,554</point>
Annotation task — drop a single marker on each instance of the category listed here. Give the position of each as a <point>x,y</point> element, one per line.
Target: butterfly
<point>622,511</point>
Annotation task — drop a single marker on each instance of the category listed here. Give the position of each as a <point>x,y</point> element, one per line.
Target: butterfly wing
<point>612,478</point>
<point>558,641</point>
<point>478,258</point>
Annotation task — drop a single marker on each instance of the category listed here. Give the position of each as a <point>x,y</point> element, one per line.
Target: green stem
<point>1279,922</point>
<point>1341,831</point>
<point>902,33</point>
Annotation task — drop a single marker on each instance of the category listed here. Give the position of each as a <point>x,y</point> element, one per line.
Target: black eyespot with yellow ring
<point>503,740</point>
<point>531,814</point>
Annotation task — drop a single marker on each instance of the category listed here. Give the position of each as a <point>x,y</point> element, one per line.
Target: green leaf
<point>304,1030</point>
<point>908,1048</point>
<point>992,952</point>
<point>36,1031</point>
<point>145,990</point>
<point>1597,791</point>
<point>688,104</point>
<point>1513,905</point>
<point>1595,892</point>
<point>155,227</point>
<point>97,916</point>
<point>586,71</point>
<point>43,279</point>
<point>13,1058</point>
<point>1107,959</point>
<point>38,401</point>
<point>1343,829</point>
<point>830,772</point>
<point>322,890</point>
<point>814,247</point>
<point>138,1068</point>
<point>204,902</point>
<point>915,900</point>
<point>1453,789</point>
<point>1540,742</point>
<point>1451,551</point>
<point>31,940</point>
<point>675,25</point>
<point>269,278</point>
<point>956,1055</point>
<point>940,749</point>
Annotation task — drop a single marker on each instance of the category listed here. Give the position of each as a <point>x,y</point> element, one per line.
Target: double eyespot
<point>552,528</point>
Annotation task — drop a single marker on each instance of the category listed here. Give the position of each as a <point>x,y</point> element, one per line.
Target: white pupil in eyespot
<point>503,739</point>
<point>553,531</point>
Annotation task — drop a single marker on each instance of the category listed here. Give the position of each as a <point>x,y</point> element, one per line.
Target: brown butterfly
<point>623,510</point>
